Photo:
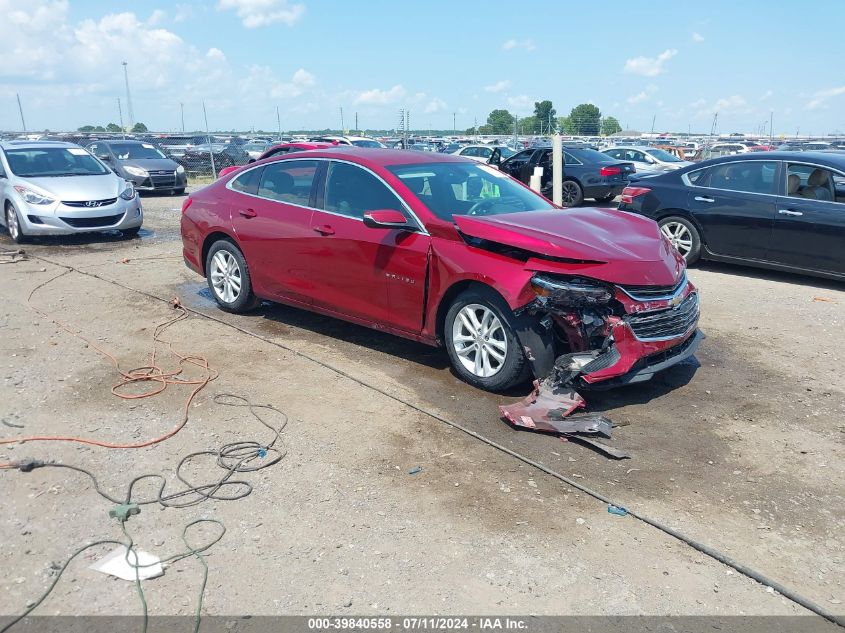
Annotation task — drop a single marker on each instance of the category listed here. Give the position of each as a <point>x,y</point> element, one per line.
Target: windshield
<point>53,161</point>
<point>131,151</point>
<point>449,189</point>
<point>367,143</point>
<point>664,156</point>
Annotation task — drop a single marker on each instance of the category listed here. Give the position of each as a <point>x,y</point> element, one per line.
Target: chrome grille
<point>652,293</point>
<point>163,178</point>
<point>89,204</point>
<point>668,323</point>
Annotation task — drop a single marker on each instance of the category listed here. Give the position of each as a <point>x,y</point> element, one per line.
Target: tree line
<point>583,120</point>
<point>138,128</point>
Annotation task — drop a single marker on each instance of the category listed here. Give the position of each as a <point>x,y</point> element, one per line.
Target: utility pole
<point>20,109</point>
<point>120,116</point>
<point>653,119</point>
<point>454,124</point>
<point>278,123</point>
<point>129,112</point>
<point>356,122</point>
<point>475,128</point>
<point>342,128</point>
<point>771,129</point>
<point>182,109</point>
<point>210,146</point>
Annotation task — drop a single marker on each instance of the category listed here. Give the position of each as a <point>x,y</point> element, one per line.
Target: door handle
<point>790,212</point>
<point>248,213</point>
<point>325,229</point>
<point>704,199</point>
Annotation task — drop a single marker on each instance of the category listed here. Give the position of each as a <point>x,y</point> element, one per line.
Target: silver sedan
<point>51,188</point>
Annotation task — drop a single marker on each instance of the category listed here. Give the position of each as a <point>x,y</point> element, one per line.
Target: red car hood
<point>612,245</point>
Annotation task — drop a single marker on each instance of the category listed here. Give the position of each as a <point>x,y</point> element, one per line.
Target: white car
<point>482,153</point>
<point>357,141</point>
<point>647,159</point>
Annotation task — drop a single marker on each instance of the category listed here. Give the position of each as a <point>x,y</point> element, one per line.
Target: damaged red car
<point>449,252</point>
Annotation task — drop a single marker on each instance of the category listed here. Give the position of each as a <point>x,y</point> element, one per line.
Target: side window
<point>813,183</point>
<point>749,177</point>
<point>569,159</point>
<point>247,182</point>
<point>639,157</point>
<point>613,153</point>
<point>699,177</point>
<point>484,152</point>
<point>352,191</point>
<point>288,181</point>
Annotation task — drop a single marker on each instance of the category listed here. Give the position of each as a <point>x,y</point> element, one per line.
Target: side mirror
<point>386,219</point>
<point>104,157</point>
<point>495,158</point>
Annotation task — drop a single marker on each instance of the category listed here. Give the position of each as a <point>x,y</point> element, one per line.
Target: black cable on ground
<point>749,572</point>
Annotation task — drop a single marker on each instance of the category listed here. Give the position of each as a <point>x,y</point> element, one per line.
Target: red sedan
<point>447,251</point>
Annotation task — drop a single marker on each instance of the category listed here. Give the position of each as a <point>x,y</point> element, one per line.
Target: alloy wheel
<point>569,194</point>
<point>12,224</point>
<point>479,340</point>
<point>226,277</point>
<point>679,235</point>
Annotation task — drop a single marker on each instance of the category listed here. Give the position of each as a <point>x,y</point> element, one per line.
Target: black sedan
<point>141,163</point>
<point>586,173</point>
<point>779,210</point>
<point>197,159</point>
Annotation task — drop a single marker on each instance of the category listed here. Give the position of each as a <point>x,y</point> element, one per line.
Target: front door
<point>377,275</point>
<point>735,205</point>
<point>809,227</point>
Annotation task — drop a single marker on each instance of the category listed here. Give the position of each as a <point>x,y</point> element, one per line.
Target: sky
<point>668,62</point>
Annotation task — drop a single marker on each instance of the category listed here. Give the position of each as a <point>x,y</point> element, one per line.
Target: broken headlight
<point>573,292</point>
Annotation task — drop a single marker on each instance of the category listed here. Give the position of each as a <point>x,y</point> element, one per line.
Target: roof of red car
<point>382,157</point>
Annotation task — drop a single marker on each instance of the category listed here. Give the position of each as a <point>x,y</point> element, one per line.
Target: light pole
<point>129,113</point>
<point>182,109</point>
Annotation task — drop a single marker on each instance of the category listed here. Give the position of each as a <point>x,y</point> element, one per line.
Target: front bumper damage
<point>613,339</point>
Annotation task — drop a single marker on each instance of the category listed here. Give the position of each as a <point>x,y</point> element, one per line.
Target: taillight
<point>629,193</point>
<point>610,171</point>
<point>187,203</point>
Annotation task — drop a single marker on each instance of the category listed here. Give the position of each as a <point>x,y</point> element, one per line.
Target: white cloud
<point>156,17</point>
<point>644,95</point>
<point>435,105</point>
<point>521,103</point>
<point>766,95</point>
<point>255,13</point>
<point>377,96</point>
<point>64,70</point>
<point>697,37</point>
<point>527,45</point>
<point>499,86</point>
<point>183,12</point>
<point>649,66</point>
<point>820,98</point>
<point>734,104</point>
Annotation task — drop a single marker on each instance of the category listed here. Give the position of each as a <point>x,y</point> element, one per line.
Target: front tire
<point>228,278</point>
<point>180,191</point>
<point>684,237</point>
<point>573,194</point>
<point>607,198</point>
<point>13,225</point>
<point>480,341</point>
<point>130,233</point>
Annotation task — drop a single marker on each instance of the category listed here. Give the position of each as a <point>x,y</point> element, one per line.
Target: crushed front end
<point>600,335</point>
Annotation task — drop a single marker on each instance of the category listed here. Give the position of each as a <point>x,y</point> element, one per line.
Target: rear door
<point>271,217</point>
<point>734,203</point>
<point>809,228</point>
<point>377,275</point>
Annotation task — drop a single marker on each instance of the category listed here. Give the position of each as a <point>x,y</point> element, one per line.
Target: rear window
<point>591,156</point>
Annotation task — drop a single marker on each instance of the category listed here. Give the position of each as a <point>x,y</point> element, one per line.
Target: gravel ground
<point>742,450</point>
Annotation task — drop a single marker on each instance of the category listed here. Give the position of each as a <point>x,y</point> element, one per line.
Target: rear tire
<point>13,225</point>
<point>684,237</point>
<point>481,343</point>
<point>573,194</point>
<point>228,278</point>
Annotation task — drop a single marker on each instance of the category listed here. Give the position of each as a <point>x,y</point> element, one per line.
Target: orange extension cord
<point>151,373</point>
